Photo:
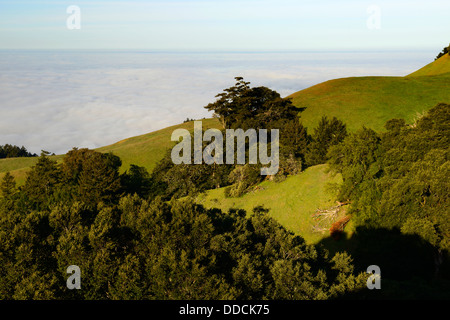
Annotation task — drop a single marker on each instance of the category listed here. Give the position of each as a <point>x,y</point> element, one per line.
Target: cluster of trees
<point>398,180</point>
<point>444,51</point>
<point>11,151</point>
<point>83,212</point>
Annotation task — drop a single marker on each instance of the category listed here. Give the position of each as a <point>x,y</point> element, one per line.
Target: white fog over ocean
<point>57,100</point>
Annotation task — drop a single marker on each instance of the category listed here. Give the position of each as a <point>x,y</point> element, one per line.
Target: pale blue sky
<point>228,25</point>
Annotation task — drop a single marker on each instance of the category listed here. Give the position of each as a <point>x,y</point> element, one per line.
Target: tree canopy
<point>444,51</point>
<point>399,179</point>
<point>11,151</point>
<point>242,106</point>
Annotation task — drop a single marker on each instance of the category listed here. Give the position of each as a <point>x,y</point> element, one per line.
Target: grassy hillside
<point>145,150</point>
<point>439,66</point>
<point>371,101</point>
<point>291,202</point>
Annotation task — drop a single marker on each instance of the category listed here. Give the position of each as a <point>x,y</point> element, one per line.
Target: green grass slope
<point>437,67</point>
<point>291,202</point>
<point>19,167</point>
<point>144,150</point>
<point>371,101</point>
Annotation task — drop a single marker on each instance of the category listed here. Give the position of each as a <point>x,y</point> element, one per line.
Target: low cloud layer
<point>58,100</point>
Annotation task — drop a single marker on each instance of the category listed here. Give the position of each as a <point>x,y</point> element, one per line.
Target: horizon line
<point>142,50</point>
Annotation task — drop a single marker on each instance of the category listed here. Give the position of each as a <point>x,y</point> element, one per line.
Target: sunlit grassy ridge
<point>437,67</point>
<point>371,101</point>
<point>146,150</point>
<point>19,167</point>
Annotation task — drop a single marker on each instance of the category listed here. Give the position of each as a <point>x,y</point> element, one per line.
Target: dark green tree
<point>355,158</point>
<point>8,186</point>
<point>93,176</point>
<point>327,133</point>
<point>10,151</point>
<point>136,180</point>
<point>42,182</point>
<point>242,106</point>
<point>444,51</point>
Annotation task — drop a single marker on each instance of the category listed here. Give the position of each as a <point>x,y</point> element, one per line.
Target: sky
<point>251,25</point>
<point>83,73</point>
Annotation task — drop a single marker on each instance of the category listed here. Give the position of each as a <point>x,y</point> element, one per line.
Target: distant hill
<point>371,101</point>
<point>437,67</point>
<point>144,150</point>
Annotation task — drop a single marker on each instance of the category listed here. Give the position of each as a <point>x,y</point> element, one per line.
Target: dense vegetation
<point>84,213</point>
<point>11,151</point>
<point>400,178</point>
<point>398,182</point>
